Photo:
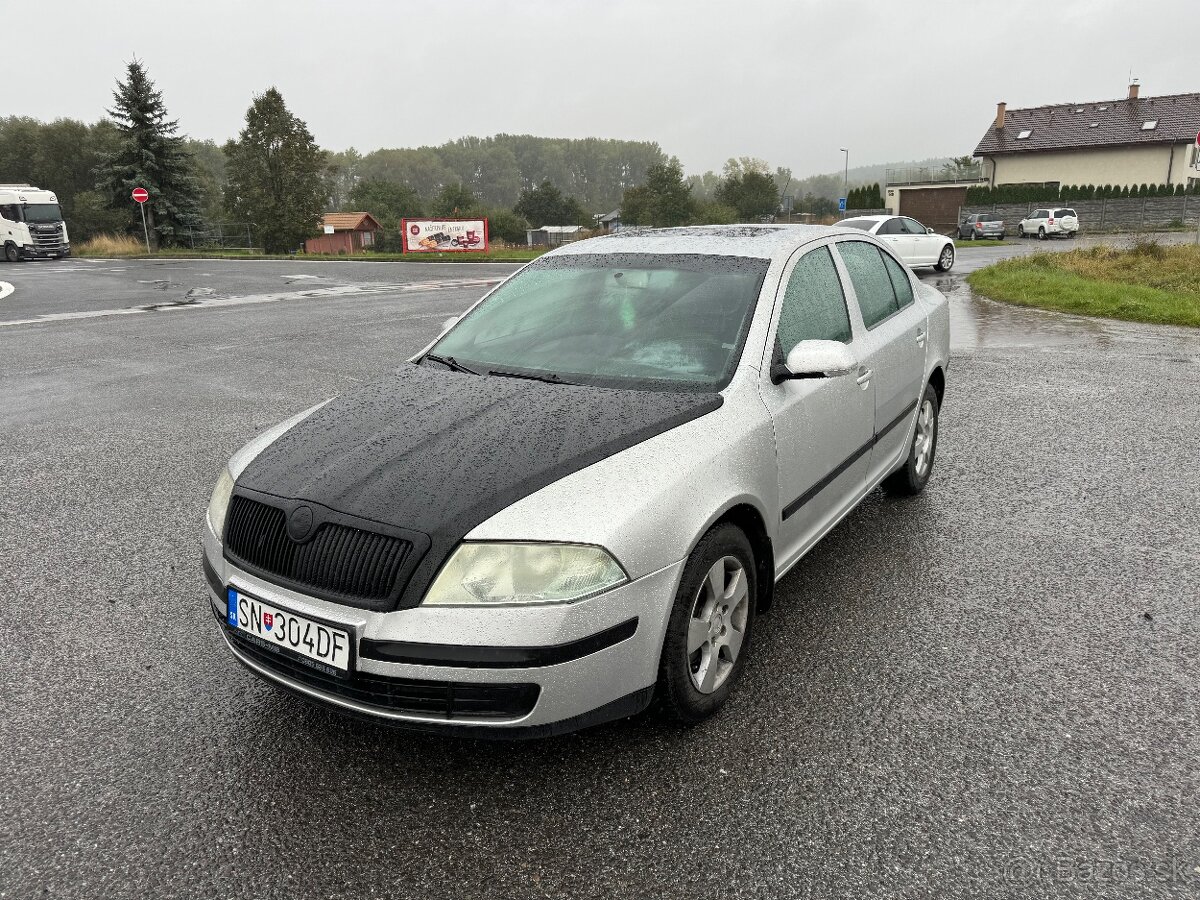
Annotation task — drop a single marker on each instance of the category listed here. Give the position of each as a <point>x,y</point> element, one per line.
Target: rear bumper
<point>528,672</point>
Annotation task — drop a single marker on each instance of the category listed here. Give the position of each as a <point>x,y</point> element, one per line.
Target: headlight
<point>218,505</point>
<point>481,574</point>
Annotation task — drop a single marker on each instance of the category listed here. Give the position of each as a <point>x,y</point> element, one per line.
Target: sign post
<point>1198,163</point>
<point>141,195</point>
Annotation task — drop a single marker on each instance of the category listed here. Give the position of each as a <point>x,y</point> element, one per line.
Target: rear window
<point>987,218</point>
<point>1066,212</point>
<point>864,224</point>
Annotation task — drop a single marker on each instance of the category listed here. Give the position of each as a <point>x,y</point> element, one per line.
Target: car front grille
<point>44,240</point>
<point>450,700</point>
<point>339,563</point>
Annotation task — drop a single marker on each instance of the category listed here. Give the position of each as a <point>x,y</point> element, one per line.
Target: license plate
<point>284,630</point>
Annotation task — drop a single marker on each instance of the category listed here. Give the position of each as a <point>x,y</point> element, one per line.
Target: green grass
<point>966,245</point>
<point>495,255</point>
<point>1149,282</point>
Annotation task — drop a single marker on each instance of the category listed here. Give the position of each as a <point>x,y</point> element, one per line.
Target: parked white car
<point>1048,222</point>
<point>908,239</point>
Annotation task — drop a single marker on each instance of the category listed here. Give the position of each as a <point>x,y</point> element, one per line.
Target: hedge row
<point>1019,193</point>
<point>870,197</point>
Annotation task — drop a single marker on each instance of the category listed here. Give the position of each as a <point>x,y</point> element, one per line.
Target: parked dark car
<point>980,226</point>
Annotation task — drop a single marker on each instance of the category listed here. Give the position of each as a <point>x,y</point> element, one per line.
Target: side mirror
<point>817,359</point>
<point>450,323</point>
<point>929,231</point>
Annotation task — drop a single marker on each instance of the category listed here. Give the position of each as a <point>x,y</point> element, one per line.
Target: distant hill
<point>830,185</point>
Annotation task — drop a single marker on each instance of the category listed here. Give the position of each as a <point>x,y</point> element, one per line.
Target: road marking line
<point>5,289</point>
<point>350,290</point>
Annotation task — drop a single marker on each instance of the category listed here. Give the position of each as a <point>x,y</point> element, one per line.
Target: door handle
<point>921,338</point>
<point>864,377</point>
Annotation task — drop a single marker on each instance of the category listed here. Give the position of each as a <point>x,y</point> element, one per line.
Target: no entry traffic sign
<point>141,195</point>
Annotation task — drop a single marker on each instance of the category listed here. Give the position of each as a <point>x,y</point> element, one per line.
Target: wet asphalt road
<point>991,690</point>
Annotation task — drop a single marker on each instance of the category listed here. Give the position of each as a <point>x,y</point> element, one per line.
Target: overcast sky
<point>789,81</point>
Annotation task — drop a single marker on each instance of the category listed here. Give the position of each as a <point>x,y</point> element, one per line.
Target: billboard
<point>444,235</point>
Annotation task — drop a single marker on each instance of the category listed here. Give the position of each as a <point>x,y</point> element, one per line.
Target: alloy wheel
<point>947,259</point>
<point>923,440</point>
<point>718,624</point>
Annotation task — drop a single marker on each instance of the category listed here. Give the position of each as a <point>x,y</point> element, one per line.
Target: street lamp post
<point>846,177</point>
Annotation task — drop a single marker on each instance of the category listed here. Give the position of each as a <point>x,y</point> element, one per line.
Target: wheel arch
<point>749,519</point>
<point>937,380</point>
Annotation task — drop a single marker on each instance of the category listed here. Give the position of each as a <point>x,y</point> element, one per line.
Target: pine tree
<point>150,154</point>
<point>275,171</point>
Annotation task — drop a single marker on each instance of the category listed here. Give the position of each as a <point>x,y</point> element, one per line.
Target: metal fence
<point>219,236</point>
<point>1140,214</point>
<point>924,175</point>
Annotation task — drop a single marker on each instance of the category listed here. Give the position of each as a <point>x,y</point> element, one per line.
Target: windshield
<point>864,224</point>
<point>649,321</point>
<point>42,213</point>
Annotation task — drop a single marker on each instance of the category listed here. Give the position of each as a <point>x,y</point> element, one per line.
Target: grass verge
<point>1148,282</point>
<point>966,245</point>
<point>108,246</point>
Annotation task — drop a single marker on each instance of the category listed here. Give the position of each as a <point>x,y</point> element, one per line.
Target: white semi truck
<point>31,224</point>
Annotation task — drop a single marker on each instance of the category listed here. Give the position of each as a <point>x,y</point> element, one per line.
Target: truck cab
<point>31,224</point>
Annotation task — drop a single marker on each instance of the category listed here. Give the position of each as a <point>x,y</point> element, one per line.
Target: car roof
<point>872,218</point>
<point>759,241</point>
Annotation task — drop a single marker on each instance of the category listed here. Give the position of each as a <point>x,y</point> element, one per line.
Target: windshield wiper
<point>548,377</point>
<point>450,363</point>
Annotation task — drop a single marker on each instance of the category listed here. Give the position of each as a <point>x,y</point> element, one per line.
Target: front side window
<point>10,211</point>
<point>814,304</point>
<point>914,227</point>
<point>872,284</point>
<point>640,320</point>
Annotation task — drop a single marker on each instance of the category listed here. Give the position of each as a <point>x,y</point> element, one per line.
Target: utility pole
<point>846,180</point>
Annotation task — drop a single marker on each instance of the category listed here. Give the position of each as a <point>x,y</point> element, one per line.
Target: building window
<point>1149,124</point>
<point>1024,134</point>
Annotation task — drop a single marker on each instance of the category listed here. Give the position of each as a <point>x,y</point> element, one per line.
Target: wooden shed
<point>345,232</point>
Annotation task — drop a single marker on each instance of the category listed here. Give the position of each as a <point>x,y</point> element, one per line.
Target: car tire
<point>1020,231</point>
<point>1003,236</point>
<point>971,237</point>
<point>708,634</point>
<point>911,478</point>
<point>945,259</point>
<point>1041,234</point>
<point>11,253</point>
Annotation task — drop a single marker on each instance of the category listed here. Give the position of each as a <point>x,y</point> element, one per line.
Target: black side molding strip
<point>792,508</point>
<point>495,657</point>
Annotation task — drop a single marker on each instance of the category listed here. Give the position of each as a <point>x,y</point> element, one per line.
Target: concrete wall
<point>1113,165</point>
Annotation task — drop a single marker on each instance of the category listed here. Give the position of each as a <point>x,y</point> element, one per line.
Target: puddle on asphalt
<point>978,323</point>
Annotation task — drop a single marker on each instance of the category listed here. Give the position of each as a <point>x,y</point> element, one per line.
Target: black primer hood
<point>438,452</point>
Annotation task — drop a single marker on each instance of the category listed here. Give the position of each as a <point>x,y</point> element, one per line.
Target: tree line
<point>276,178</point>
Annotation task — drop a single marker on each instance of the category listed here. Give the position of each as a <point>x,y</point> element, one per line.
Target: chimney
<point>1133,89</point>
<point>1000,107</point>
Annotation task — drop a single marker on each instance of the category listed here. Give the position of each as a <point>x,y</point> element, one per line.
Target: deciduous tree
<point>275,172</point>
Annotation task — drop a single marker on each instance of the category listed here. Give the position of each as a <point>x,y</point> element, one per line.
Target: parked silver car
<point>582,493</point>
<point>978,226</point>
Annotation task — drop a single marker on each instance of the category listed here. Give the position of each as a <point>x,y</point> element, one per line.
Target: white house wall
<point>1114,165</point>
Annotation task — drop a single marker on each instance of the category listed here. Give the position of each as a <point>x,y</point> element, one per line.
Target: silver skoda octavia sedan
<point>579,497</point>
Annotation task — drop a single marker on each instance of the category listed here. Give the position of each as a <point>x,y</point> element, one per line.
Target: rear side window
<point>872,284</point>
<point>900,283</point>
<point>864,224</point>
<point>891,226</point>
<point>814,304</point>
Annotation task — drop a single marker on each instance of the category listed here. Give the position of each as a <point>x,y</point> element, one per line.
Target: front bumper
<point>484,672</point>
<point>30,252</point>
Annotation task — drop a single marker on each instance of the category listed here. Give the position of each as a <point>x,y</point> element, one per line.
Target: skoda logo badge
<point>300,523</point>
